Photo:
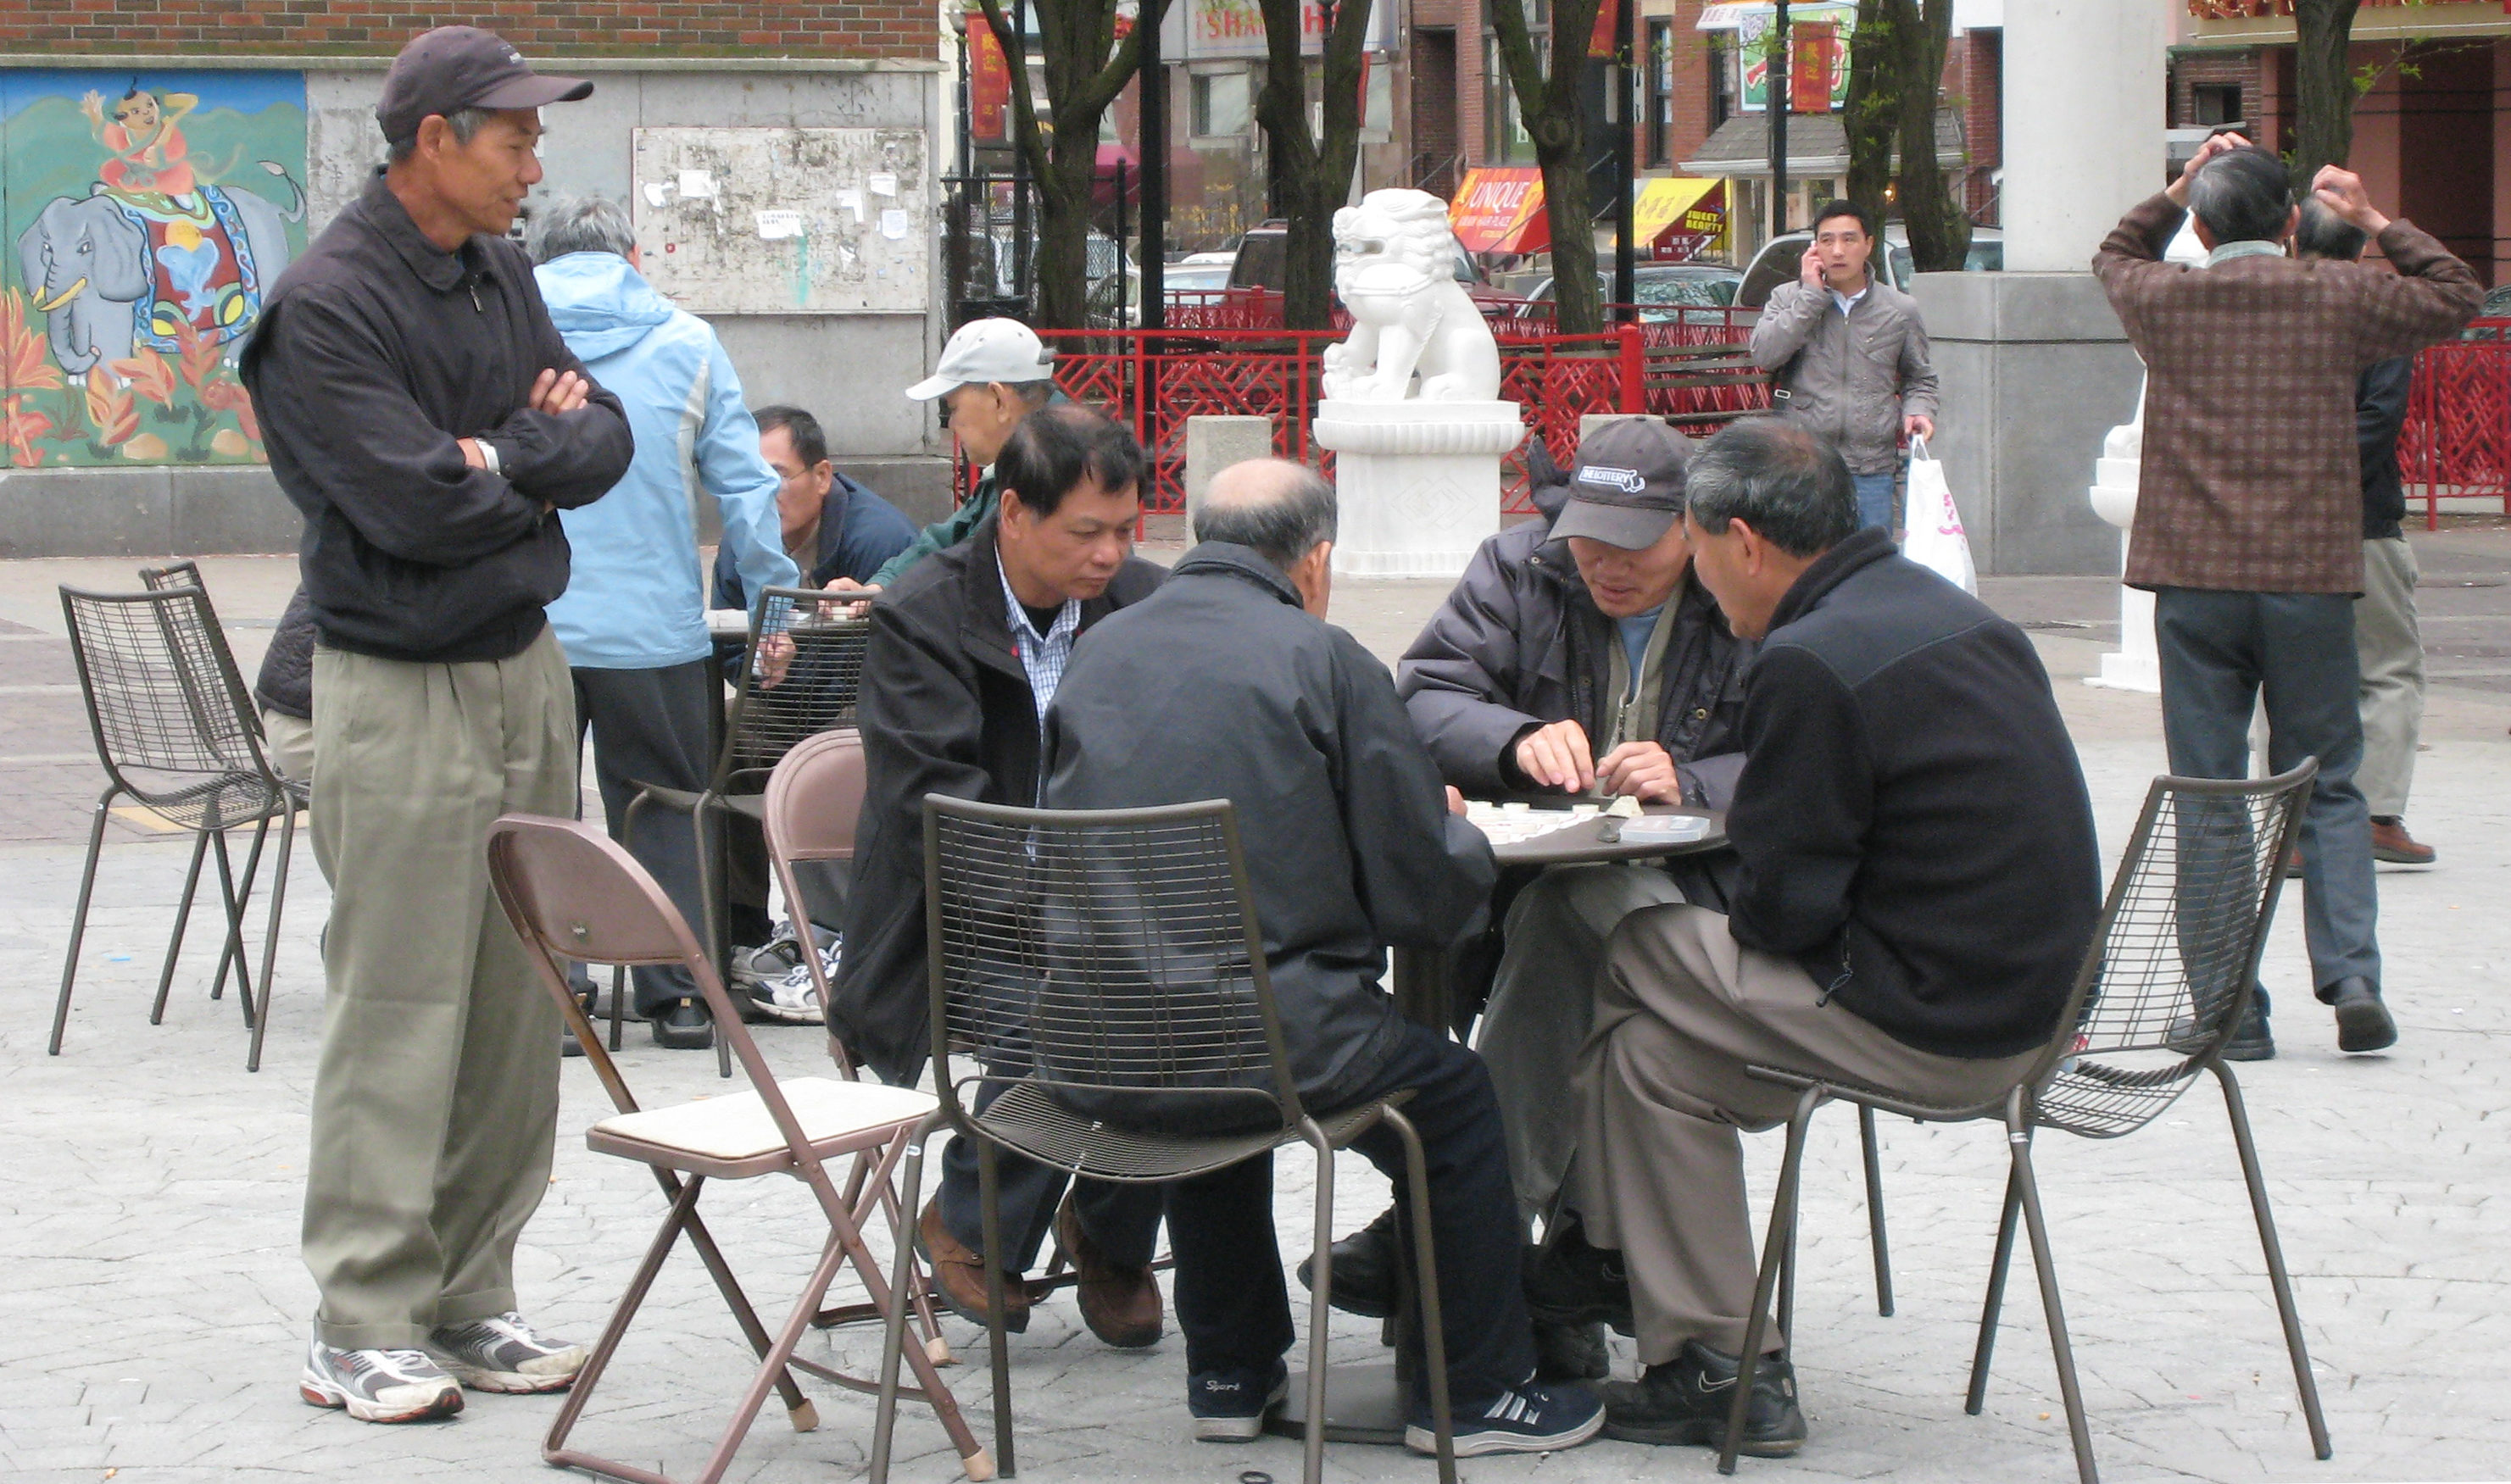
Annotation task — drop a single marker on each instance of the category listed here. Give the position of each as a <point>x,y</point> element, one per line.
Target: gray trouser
<point>1682,1009</point>
<point>288,743</point>
<point>653,726</point>
<point>436,1093</point>
<point>2391,649</point>
<point>2220,652</point>
<point>1542,1000</point>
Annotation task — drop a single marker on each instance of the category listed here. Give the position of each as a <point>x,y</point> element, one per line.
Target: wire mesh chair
<point>174,732</point>
<point>798,678</point>
<point>574,895</point>
<point>2164,984</point>
<point>1101,1004</point>
<point>813,802</point>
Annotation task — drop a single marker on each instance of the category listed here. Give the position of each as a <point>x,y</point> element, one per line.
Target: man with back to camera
<point>2388,642</point>
<point>1228,683</point>
<point>1577,656</point>
<point>1915,887</point>
<point>966,654</point>
<point>424,414</point>
<point>1850,355</point>
<point>2248,512</point>
<point>633,618</point>
<point>841,534</point>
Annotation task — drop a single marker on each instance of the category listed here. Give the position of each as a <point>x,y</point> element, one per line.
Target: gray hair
<point>581,224</point>
<point>466,124</point>
<point>2243,196</point>
<point>1033,394</point>
<point>2324,234</point>
<point>1782,479</point>
<point>1282,513</point>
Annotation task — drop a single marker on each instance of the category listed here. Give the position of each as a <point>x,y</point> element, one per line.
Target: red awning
<point>1500,210</point>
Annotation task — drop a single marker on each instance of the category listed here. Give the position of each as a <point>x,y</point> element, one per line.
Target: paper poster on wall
<point>787,220</point>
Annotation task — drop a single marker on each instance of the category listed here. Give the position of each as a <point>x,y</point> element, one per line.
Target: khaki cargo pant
<point>435,1095</point>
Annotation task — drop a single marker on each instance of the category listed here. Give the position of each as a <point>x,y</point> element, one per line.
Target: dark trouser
<point>654,726</point>
<point>1124,1220</point>
<point>747,924</point>
<point>1231,1301</point>
<point>2220,652</point>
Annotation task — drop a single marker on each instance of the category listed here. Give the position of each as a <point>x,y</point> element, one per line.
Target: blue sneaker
<point>1229,1406</point>
<point>1527,1419</point>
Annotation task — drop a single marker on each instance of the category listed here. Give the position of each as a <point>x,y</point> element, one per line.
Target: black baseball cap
<point>1626,489</point>
<point>454,67</point>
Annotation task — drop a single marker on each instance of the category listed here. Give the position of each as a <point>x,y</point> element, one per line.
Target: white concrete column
<point>2083,123</point>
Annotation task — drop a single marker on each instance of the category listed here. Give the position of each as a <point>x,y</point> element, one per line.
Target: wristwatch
<point>487,455</point>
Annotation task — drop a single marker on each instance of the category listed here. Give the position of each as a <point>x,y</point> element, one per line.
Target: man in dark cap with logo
<point>1579,659</point>
<point>423,415</point>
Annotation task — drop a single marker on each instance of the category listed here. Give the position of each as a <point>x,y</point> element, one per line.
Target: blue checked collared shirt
<point>1043,655</point>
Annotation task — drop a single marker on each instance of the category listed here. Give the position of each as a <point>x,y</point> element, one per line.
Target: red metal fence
<point>2457,437</point>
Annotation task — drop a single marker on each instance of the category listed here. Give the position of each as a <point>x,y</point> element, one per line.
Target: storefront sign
<point>1218,30</point>
<point>1500,210</point>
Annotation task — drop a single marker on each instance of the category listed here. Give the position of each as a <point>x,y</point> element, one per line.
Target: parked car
<point>1778,261</point>
<point>1664,289</point>
<point>1260,265</point>
<point>1199,279</point>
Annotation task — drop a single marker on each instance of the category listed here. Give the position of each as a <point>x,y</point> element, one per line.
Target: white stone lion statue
<point>1395,269</point>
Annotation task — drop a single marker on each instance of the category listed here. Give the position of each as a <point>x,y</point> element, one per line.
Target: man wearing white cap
<point>993,373</point>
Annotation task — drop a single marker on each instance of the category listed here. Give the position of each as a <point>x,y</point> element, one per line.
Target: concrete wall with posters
<point>160,455</point>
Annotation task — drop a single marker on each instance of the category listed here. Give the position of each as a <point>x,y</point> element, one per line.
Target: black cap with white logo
<point>454,67</point>
<point>1626,489</point>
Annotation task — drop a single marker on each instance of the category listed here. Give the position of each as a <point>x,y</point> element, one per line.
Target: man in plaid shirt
<point>2249,507</point>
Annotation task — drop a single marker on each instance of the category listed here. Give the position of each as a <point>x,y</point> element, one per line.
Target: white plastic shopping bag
<point>1934,537</point>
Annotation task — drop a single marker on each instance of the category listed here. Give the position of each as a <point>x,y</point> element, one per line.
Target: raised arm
<point>567,459</point>
<point>743,483</point>
<point>2429,298</point>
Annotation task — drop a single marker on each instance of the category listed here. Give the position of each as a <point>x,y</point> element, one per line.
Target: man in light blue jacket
<point>633,620</point>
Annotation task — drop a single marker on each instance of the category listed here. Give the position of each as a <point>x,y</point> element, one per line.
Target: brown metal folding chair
<point>2165,982</point>
<point>573,893</point>
<point>813,802</point>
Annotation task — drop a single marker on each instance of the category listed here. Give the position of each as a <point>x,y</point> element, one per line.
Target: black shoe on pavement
<point>1571,1353</point>
<point>684,1026</point>
<point>2251,1040</point>
<point>1229,1406</point>
<point>2363,1022</point>
<point>1363,1269</point>
<point>1685,1401</point>
<point>1569,1282</point>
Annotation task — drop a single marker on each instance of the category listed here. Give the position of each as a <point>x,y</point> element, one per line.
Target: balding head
<point>1282,512</point>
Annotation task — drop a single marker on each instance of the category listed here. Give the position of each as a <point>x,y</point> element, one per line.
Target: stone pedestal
<point>2136,666</point>
<point>1417,482</point>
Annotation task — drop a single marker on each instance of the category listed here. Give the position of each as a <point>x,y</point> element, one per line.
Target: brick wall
<point>203,28</point>
<point>1980,87</point>
<point>2193,70</point>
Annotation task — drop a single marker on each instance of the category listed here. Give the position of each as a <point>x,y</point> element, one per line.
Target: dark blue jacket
<point>859,533</point>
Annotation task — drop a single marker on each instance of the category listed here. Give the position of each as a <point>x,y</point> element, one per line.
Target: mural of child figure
<point>146,141</point>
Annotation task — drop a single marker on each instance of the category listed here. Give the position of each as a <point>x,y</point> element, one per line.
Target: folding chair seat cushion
<point>733,1138</point>
<point>1027,1119</point>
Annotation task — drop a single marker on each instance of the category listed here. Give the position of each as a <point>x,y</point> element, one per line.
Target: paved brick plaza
<point>158,1312</point>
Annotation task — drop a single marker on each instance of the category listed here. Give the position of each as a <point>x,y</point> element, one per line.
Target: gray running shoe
<point>770,961</point>
<point>383,1386</point>
<point>503,1353</point>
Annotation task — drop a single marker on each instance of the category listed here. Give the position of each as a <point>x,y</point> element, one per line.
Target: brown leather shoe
<point>2390,842</point>
<point>1120,1305</point>
<point>959,1275</point>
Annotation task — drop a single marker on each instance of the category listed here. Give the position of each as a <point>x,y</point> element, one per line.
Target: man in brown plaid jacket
<point>2249,507</point>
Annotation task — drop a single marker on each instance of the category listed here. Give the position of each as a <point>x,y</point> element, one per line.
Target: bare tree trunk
<point>1872,117</point>
<point>1549,104</point>
<point>1314,177</point>
<point>1932,213</point>
<point>2323,82</point>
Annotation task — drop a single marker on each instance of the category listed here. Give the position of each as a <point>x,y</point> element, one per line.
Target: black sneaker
<point>684,1026</point>
<point>1569,1282</point>
<point>1363,1268</point>
<point>2251,1040</point>
<point>1685,1401</point>
<point>1229,1406</point>
<point>1527,1419</point>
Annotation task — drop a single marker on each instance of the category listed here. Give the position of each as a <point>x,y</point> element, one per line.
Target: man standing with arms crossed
<point>422,412</point>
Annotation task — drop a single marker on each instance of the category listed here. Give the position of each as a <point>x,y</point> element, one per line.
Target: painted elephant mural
<point>150,216</point>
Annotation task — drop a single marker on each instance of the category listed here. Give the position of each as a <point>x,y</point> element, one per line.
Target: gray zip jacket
<point>1855,375</point>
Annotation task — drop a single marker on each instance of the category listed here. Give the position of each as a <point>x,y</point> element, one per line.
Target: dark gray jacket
<point>946,709</point>
<point>286,682</point>
<point>1221,686</point>
<point>1519,644</point>
<point>1854,376</point>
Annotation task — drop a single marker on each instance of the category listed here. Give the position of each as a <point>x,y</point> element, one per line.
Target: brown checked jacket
<point>2249,481</point>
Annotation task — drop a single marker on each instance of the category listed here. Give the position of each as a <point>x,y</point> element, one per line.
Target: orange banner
<point>989,81</point>
<point>1500,210</point>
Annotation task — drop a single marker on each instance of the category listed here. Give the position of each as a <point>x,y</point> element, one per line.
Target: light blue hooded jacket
<point>636,598</point>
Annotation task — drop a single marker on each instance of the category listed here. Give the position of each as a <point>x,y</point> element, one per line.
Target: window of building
<point>1722,78</point>
<point>1505,138</point>
<point>1219,105</point>
<point>2212,103</point>
<point>1660,91</point>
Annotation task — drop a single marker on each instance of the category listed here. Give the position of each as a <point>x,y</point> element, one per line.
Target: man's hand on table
<point>775,656</point>
<point>1557,756</point>
<point>1644,770</point>
<point>861,606</point>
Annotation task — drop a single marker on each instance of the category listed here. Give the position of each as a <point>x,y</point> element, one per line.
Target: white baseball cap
<point>987,351</point>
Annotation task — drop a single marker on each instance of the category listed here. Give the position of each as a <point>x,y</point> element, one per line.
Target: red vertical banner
<point>1605,42</point>
<point>1813,61</point>
<point>989,81</point>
